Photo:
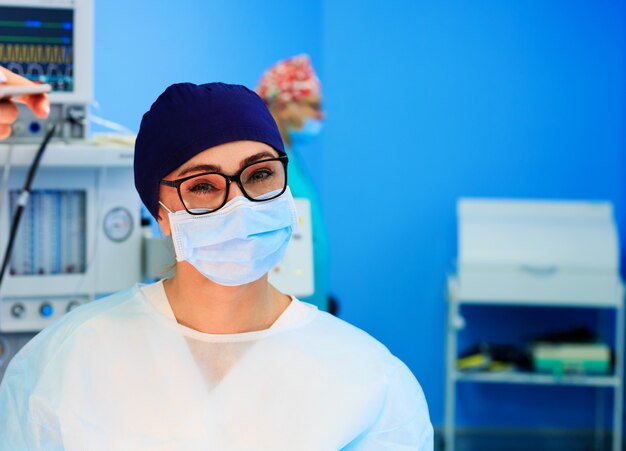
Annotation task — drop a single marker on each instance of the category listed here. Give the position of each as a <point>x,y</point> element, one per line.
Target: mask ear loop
<point>171,235</point>
<point>163,205</point>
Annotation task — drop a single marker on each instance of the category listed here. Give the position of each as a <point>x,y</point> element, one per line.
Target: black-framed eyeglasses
<point>207,192</point>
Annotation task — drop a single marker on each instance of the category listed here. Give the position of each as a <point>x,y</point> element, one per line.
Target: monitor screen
<point>38,43</point>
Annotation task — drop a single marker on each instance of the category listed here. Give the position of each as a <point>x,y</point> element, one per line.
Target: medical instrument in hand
<point>20,90</point>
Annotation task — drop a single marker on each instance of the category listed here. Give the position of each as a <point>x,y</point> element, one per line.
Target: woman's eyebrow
<point>213,168</point>
<point>199,168</point>
<point>256,157</point>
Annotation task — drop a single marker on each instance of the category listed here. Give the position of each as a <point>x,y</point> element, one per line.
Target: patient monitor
<point>50,41</point>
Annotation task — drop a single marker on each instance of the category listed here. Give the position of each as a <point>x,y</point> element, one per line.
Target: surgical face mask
<point>240,242</point>
<point>307,134</point>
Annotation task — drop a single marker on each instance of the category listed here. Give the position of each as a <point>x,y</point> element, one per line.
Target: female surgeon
<point>214,358</point>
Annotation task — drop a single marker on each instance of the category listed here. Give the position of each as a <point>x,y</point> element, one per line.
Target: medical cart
<point>536,254</point>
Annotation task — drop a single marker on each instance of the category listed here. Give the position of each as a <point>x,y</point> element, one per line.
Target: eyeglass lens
<point>206,193</point>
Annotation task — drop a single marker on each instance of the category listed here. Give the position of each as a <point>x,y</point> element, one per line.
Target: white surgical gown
<point>122,374</point>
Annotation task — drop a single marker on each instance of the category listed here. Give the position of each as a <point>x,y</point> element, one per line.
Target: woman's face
<point>226,158</point>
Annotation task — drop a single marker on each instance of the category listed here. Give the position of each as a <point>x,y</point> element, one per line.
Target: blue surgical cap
<point>187,119</point>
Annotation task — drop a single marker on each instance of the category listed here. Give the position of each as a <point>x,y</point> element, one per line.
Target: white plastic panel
<point>117,258</point>
<point>538,234</point>
<point>557,251</point>
<point>34,314</point>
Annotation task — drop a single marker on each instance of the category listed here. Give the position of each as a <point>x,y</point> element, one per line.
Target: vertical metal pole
<point>451,348</point>
<point>600,408</point>
<point>600,392</point>
<point>618,400</point>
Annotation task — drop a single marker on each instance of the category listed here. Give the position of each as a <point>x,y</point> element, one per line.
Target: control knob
<point>18,310</point>
<point>46,310</point>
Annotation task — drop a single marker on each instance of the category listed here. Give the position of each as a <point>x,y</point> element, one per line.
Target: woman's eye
<point>259,175</point>
<point>202,188</point>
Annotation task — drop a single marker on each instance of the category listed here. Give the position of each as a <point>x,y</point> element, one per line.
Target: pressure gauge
<point>118,224</point>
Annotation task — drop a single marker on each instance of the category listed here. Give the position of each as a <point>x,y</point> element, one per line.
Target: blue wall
<point>426,101</point>
<point>143,46</point>
<point>431,100</point>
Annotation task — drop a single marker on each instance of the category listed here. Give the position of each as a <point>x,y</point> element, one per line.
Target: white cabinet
<point>535,253</point>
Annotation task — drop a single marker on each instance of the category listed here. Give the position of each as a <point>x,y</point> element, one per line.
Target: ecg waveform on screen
<point>41,54</point>
<point>38,43</point>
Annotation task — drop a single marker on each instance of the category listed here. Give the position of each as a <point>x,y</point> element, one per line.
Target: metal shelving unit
<point>456,298</point>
